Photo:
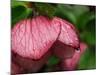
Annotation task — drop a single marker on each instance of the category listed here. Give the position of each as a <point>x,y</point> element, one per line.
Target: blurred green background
<point>82,16</point>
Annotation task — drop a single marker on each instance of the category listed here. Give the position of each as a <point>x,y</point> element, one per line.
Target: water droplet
<point>77,49</point>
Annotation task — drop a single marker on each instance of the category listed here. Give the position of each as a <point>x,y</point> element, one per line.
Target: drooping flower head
<point>32,38</point>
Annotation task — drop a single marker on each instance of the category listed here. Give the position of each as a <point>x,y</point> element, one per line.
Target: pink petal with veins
<point>33,38</point>
<point>68,34</point>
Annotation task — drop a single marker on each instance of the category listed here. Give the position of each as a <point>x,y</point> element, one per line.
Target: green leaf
<point>85,19</point>
<point>18,3</point>
<point>87,61</point>
<point>91,26</point>
<point>65,12</point>
<point>79,10</point>
<point>88,37</point>
<point>53,61</point>
<point>71,13</point>
<point>19,13</point>
<point>45,9</point>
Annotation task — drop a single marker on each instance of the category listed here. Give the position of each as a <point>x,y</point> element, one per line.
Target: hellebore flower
<point>32,39</point>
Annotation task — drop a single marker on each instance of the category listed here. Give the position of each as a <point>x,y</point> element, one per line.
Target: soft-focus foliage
<point>19,11</point>
<point>83,17</point>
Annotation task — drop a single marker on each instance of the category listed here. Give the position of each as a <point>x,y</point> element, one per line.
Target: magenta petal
<point>68,34</point>
<point>15,69</point>
<point>70,64</point>
<point>30,65</point>
<point>33,38</point>
<point>62,50</point>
